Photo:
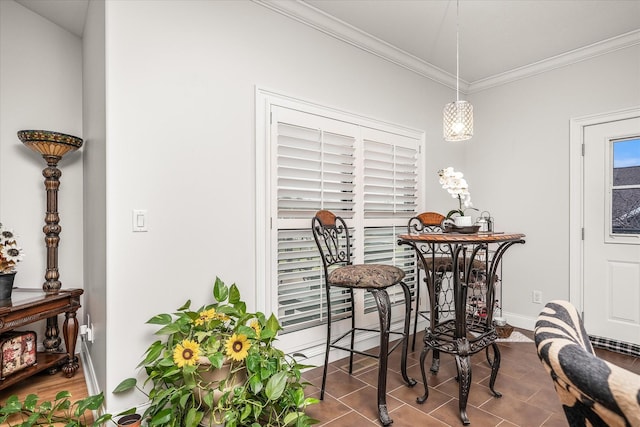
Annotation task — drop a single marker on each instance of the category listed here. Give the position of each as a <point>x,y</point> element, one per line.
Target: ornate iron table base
<point>462,348</point>
<point>451,335</point>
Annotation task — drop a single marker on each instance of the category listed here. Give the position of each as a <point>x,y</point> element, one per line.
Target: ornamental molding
<point>321,21</point>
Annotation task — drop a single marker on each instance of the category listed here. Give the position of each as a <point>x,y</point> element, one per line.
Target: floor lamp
<point>53,146</point>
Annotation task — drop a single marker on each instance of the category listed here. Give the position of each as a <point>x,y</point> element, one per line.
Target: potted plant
<point>217,365</point>
<point>10,255</point>
<point>60,411</point>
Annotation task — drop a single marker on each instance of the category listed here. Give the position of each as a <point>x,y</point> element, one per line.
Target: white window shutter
<point>367,176</point>
<point>390,175</point>
<point>314,158</point>
<point>390,200</point>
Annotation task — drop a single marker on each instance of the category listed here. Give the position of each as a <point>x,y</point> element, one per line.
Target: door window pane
<point>625,194</point>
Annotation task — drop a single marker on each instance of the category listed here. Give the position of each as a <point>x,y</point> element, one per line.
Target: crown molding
<point>581,54</point>
<point>321,21</point>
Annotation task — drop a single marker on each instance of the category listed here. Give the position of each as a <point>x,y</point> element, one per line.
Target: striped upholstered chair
<point>593,392</point>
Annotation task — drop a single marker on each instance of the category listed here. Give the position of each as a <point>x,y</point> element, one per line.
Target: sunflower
<point>223,317</point>
<point>256,327</point>
<point>186,353</point>
<point>205,316</point>
<point>237,347</point>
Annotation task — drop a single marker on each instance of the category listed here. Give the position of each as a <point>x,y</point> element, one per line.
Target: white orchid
<point>457,186</point>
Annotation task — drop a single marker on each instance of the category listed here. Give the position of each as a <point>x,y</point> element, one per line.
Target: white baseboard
<point>520,321</point>
<point>87,367</point>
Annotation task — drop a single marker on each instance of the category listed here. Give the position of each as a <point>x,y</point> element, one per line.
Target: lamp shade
<point>49,143</point>
<point>457,121</point>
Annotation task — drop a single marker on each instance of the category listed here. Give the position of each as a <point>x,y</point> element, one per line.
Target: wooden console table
<point>31,305</point>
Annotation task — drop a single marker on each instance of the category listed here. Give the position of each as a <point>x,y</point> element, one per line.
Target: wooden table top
<point>461,238</point>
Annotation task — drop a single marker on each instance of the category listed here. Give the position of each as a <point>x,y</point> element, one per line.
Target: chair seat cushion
<point>366,276</point>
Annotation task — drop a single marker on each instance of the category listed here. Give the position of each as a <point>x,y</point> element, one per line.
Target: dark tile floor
<point>529,399</point>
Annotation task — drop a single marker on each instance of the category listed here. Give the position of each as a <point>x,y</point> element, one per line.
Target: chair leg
<point>384,311</point>
<point>353,332</point>
<point>416,314</point>
<point>327,347</point>
<point>405,338</point>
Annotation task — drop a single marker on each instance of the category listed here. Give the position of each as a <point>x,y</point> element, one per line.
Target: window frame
<point>266,293</point>
<point>610,235</point>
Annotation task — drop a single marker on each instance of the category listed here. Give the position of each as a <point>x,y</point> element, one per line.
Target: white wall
<point>95,210</point>
<point>180,143</point>
<point>40,88</point>
<point>518,166</point>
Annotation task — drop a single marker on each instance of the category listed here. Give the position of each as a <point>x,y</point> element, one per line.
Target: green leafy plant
<point>256,385</point>
<point>31,412</point>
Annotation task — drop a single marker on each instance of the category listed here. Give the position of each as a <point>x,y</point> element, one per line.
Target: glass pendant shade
<point>458,121</point>
<point>457,117</point>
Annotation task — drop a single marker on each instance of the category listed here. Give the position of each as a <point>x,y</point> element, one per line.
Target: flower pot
<point>6,285</point>
<point>132,420</point>
<point>463,221</point>
<point>213,377</point>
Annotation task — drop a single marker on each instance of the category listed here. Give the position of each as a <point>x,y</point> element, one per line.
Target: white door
<point>611,214</point>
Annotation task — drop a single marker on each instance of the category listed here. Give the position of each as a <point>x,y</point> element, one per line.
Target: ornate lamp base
<point>52,146</point>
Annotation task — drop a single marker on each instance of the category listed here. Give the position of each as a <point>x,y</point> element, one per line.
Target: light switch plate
<point>139,218</point>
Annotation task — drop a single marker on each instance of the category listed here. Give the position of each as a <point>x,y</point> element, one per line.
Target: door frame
<point>576,196</point>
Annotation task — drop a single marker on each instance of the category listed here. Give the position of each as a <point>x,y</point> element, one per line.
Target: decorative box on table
<point>17,351</point>
<point>504,331</point>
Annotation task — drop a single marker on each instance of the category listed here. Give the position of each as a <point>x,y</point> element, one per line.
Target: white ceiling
<point>497,37</point>
<point>69,14</point>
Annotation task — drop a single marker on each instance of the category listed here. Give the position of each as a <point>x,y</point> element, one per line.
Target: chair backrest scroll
<point>332,238</point>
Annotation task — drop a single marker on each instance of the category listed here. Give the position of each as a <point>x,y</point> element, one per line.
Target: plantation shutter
<point>369,177</point>
<point>390,176</point>
<point>390,200</point>
<point>314,163</point>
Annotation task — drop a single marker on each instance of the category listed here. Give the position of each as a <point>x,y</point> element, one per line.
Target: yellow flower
<point>186,353</point>
<point>237,347</point>
<point>256,327</point>
<point>205,316</point>
<point>222,316</point>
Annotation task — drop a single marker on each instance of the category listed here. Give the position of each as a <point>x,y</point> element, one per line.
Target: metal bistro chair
<point>428,222</point>
<point>332,237</point>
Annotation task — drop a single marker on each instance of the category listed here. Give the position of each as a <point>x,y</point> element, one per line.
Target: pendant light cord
<point>457,50</point>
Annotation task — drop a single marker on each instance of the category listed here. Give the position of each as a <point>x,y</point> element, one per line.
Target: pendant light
<point>458,115</point>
